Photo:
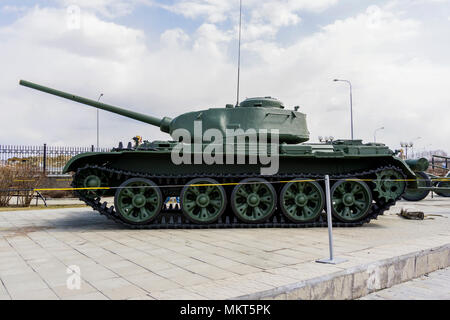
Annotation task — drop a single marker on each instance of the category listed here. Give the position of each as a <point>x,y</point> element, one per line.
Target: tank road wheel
<point>253,200</point>
<point>389,185</point>
<point>414,194</point>
<point>351,200</point>
<point>203,200</point>
<point>138,201</point>
<point>302,201</point>
<point>89,179</point>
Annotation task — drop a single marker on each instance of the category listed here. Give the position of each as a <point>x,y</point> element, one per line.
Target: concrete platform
<point>433,286</point>
<point>38,246</point>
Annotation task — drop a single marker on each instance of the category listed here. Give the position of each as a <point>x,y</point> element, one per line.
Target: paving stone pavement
<point>38,246</point>
<point>433,286</point>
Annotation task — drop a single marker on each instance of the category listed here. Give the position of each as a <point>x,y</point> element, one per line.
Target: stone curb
<point>359,281</point>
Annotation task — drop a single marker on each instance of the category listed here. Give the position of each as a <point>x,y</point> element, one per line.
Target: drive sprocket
<point>389,184</point>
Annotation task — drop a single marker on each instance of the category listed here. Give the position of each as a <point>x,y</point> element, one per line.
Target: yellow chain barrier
<point>231,184</point>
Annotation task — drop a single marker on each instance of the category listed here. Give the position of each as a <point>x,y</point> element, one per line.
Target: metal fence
<point>440,162</point>
<point>46,159</point>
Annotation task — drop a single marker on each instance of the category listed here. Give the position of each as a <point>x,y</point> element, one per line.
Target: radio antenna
<point>239,52</point>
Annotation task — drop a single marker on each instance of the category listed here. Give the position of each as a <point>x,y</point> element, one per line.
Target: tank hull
<point>159,162</point>
<point>370,178</point>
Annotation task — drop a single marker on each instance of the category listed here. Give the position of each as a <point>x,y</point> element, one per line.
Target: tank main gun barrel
<point>163,123</point>
<point>421,164</point>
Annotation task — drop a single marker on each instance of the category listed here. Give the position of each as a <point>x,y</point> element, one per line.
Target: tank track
<point>172,218</point>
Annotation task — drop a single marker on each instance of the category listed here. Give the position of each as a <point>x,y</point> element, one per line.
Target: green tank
<point>263,173</point>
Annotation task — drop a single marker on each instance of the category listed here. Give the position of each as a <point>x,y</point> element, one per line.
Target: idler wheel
<point>253,200</point>
<point>88,180</point>
<point>302,200</point>
<point>138,201</point>
<point>351,200</point>
<point>203,200</point>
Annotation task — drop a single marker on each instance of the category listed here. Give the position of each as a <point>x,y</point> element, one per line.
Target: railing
<point>49,160</point>
<point>440,162</point>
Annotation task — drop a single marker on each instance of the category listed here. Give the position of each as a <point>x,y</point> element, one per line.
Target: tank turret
<point>263,113</point>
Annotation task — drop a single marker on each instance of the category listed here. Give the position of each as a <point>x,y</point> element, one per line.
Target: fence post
<point>92,148</point>
<point>45,158</point>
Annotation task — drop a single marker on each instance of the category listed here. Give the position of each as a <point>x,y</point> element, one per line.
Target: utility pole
<point>375,134</point>
<point>351,103</point>
<point>239,53</point>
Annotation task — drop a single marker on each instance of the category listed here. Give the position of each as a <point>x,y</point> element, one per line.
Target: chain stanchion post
<point>332,259</point>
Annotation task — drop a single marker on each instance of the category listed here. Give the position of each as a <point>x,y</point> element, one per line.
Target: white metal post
<point>332,259</point>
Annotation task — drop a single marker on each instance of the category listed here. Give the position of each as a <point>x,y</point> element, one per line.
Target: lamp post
<point>406,145</point>
<point>101,95</point>
<point>351,102</point>
<point>375,134</point>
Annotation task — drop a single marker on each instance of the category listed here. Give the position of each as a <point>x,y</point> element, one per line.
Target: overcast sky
<point>168,57</point>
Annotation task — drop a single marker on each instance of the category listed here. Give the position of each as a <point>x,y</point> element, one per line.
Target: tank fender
<point>83,159</point>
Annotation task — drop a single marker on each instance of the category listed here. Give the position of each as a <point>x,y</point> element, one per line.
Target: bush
<point>18,181</point>
<point>58,194</point>
<point>437,171</point>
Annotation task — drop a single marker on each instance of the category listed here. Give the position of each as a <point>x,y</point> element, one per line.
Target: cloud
<point>262,18</point>
<point>40,48</point>
<point>397,70</point>
<point>101,57</point>
<point>50,28</point>
<point>212,10</point>
<point>108,8</point>
<point>13,9</point>
<point>285,12</point>
<point>174,37</point>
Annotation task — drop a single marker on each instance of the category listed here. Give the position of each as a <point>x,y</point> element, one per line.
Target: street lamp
<point>375,134</point>
<point>351,102</point>
<point>406,145</point>
<point>101,95</point>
